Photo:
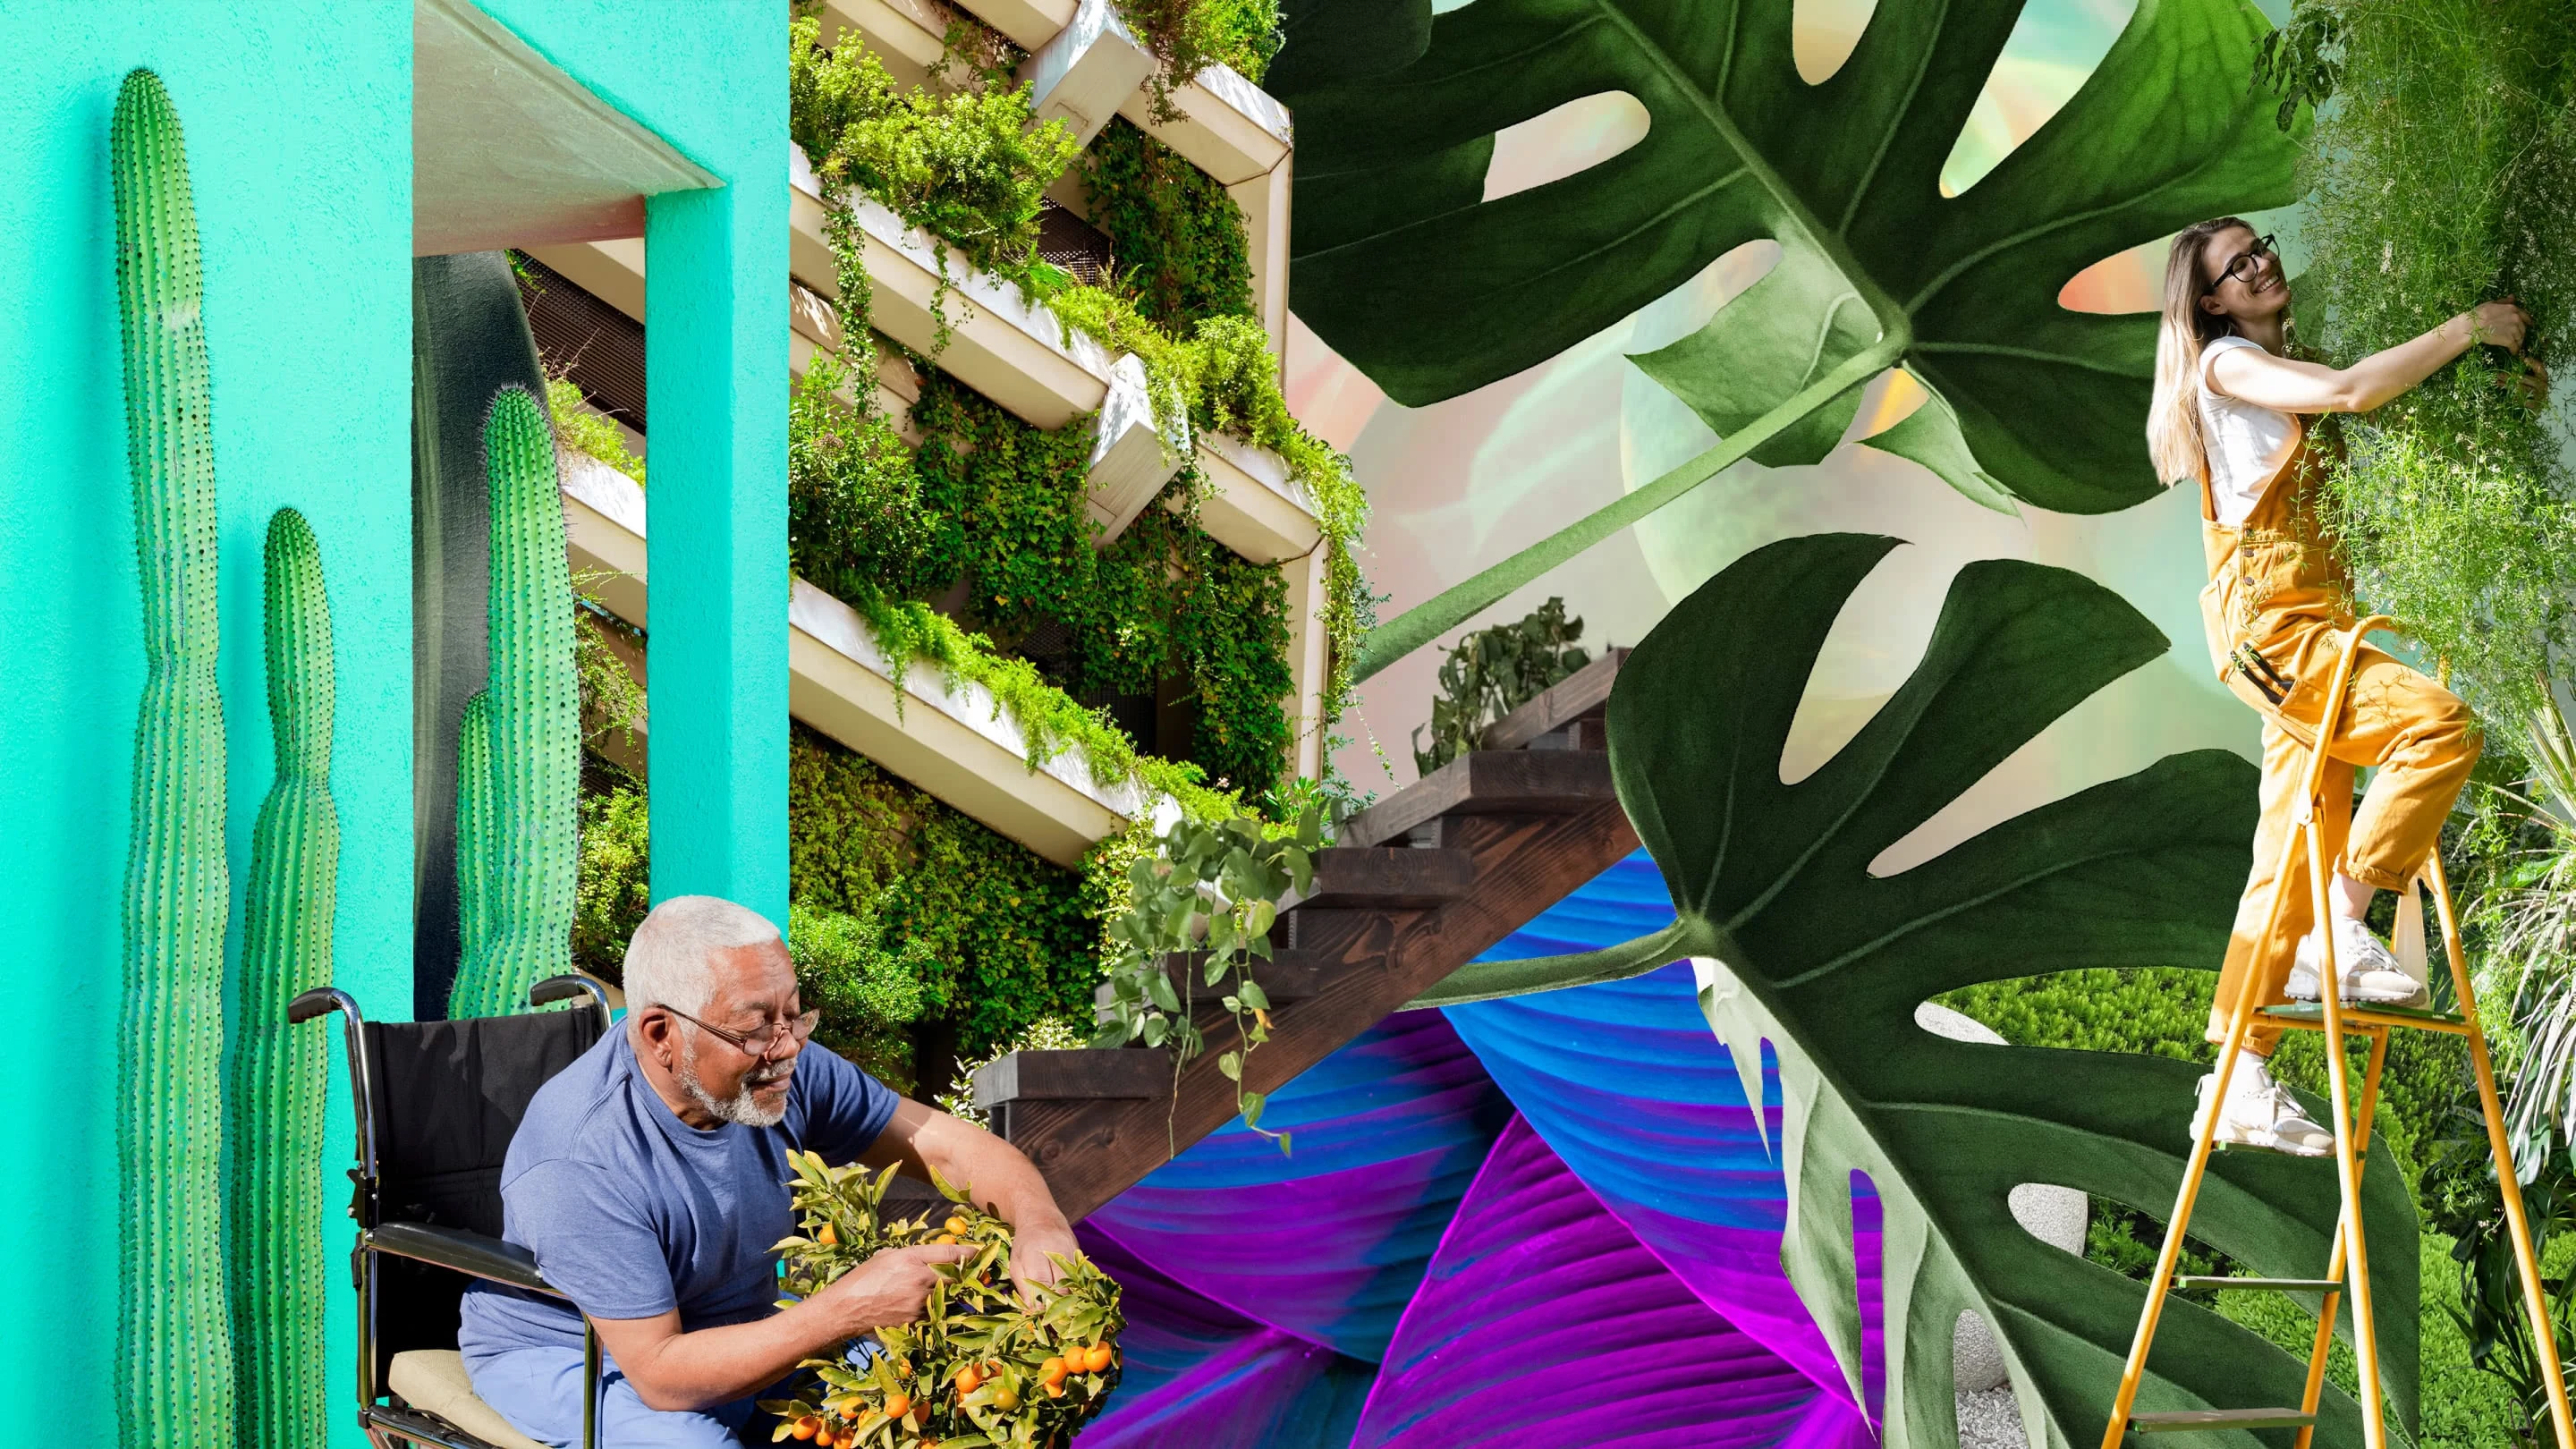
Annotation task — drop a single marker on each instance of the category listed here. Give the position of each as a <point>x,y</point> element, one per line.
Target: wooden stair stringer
<point>1369,962</point>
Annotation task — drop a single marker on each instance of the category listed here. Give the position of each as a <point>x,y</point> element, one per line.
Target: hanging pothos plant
<point>1202,906</point>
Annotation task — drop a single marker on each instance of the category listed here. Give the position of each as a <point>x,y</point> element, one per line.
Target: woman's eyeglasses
<point>756,1045</point>
<point>2243,266</point>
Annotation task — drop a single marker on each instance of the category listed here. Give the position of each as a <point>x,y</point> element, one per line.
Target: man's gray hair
<point>668,963</point>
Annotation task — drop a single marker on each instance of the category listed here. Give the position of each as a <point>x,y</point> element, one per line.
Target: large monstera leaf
<point>1802,946</point>
<point>1407,271</point>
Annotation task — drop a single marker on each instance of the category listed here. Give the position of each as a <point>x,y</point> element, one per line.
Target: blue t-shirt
<point>634,1212</point>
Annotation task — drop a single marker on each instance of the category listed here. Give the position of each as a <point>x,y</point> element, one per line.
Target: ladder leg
<point>2365,1333</point>
<point>2323,1344</point>
<point>2240,1018</point>
<point>2535,1301</point>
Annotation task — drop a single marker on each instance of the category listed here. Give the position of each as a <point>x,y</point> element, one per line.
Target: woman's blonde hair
<point>2173,416</point>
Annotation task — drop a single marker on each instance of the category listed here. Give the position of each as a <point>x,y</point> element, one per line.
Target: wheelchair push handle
<point>569,986</point>
<point>320,1001</point>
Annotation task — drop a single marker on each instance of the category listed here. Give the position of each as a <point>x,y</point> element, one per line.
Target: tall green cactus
<point>475,852</point>
<point>273,1224</point>
<point>174,1370</point>
<point>535,711</point>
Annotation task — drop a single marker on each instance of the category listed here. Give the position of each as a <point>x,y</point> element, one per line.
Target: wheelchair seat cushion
<point>433,1380</point>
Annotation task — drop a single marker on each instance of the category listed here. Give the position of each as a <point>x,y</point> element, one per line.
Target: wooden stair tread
<point>2186,1419</point>
<point>2285,1285</point>
<point>1487,782</point>
<point>1584,694</point>
<point>1379,927</point>
<point>1078,1075</point>
<point>1349,877</point>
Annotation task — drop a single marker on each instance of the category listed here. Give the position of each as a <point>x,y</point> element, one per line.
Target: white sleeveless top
<point>2246,443</point>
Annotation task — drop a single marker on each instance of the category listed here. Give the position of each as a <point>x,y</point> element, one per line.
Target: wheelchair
<point>437,1103</point>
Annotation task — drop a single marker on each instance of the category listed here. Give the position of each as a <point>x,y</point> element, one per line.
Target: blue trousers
<point>539,1390</point>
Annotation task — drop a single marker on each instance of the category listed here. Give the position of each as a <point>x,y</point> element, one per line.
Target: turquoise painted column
<point>715,372</point>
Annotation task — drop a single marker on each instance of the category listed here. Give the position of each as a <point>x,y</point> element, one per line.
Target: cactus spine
<point>174,1370</point>
<point>535,720</point>
<point>274,1229</point>
<point>475,853</point>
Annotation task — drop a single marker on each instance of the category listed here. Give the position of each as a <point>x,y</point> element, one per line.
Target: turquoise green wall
<point>298,116</point>
<point>298,122</point>
<point>712,80</point>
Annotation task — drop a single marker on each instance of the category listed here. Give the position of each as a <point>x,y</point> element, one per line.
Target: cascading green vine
<point>279,1079</point>
<point>535,722</point>
<point>174,1379</point>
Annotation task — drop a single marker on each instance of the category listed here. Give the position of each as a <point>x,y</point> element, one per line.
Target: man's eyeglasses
<point>2243,266</point>
<point>756,1045</point>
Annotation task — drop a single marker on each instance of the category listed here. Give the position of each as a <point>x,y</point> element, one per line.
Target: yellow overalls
<point>2275,609</point>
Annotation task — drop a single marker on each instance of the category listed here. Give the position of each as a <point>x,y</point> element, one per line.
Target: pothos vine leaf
<point>1803,947</point>
<point>1404,268</point>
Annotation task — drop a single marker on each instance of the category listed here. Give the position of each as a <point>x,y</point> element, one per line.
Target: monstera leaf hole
<point>2045,61</point>
<point>1825,33</point>
<point>1570,139</point>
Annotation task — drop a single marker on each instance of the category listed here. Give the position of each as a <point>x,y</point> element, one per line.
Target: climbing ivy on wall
<point>1176,236</point>
<point>867,521</point>
<point>1004,937</point>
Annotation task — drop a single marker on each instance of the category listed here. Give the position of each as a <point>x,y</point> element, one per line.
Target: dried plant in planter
<point>980,1368</point>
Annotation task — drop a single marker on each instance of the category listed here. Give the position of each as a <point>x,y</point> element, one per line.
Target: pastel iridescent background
<point>1460,485</point>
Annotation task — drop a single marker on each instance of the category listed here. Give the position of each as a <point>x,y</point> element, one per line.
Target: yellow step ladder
<point>2350,1269</point>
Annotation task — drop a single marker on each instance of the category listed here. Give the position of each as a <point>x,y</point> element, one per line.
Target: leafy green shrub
<point>2443,173</point>
<point>1492,672</point>
<point>576,426</point>
<point>1176,235</point>
<point>615,882</point>
<point>867,987</point>
<point>968,164</point>
<point>1002,935</point>
<point>1188,36</point>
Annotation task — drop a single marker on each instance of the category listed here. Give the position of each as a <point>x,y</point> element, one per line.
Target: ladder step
<point>2285,1285</point>
<point>2312,1014</point>
<point>2187,1419</point>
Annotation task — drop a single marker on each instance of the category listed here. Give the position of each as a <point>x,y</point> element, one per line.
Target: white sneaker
<point>2261,1113</point>
<point>2371,975</point>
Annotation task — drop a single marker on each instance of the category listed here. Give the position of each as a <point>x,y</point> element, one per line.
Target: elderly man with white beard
<point>649,1179</point>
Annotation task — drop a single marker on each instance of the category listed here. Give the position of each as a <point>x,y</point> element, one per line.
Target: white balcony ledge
<point>953,741</point>
<point>1228,127</point>
<point>999,343</point>
<point>1090,69</point>
<point>1251,504</point>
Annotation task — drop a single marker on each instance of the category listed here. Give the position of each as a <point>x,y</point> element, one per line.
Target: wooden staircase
<point>1419,885</point>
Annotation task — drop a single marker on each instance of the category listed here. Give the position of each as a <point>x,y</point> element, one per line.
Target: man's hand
<point>890,1288</point>
<point>1030,1245</point>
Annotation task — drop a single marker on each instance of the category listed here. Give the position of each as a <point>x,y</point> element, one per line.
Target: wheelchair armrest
<point>472,1254</point>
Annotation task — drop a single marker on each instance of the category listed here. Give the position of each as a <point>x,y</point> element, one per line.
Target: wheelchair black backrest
<point>448,1096</point>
